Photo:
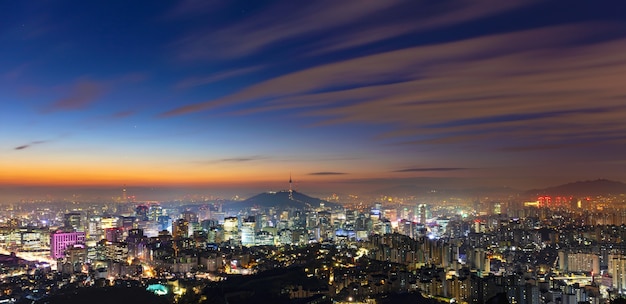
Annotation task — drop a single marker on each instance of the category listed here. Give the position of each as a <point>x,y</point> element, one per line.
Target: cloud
<point>326,25</point>
<point>327,173</point>
<point>244,159</point>
<point>535,87</point>
<point>32,143</point>
<point>79,96</point>
<point>123,114</point>
<point>440,169</point>
<point>239,159</point>
<point>198,81</point>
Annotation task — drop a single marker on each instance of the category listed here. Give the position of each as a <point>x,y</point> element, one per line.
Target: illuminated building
<point>497,208</point>
<point>180,229</point>
<point>231,228</point>
<point>155,212</point>
<point>72,220</point>
<point>285,237</point>
<point>113,234</point>
<point>164,223</point>
<point>247,231</point>
<point>61,240</point>
<point>617,270</point>
<point>264,238</point>
<point>422,209</point>
<point>109,222</point>
<point>190,217</point>
<point>142,212</point>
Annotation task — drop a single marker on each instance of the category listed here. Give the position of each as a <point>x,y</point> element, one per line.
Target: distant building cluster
<point>463,250</point>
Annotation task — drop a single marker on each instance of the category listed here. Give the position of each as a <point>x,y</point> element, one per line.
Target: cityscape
<point>287,247</point>
<point>274,151</point>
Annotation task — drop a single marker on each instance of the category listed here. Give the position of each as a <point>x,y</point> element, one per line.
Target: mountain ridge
<point>281,199</point>
<point>583,188</point>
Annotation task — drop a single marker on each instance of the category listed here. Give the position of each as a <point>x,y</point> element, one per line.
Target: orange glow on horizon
<point>103,174</point>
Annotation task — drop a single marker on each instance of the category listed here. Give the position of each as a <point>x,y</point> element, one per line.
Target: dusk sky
<point>345,96</point>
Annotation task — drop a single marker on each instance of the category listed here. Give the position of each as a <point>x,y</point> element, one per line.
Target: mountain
<point>442,192</point>
<point>584,188</point>
<point>280,200</point>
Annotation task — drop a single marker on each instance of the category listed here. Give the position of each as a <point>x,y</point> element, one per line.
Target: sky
<point>344,96</point>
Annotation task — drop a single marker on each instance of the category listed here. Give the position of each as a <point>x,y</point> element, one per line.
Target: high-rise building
<point>617,270</point>
<point>61,240</point>
<point>109,222</point>
<point>248,232</point>
<point>164,223</point>
<point>231,229</point>
<point>72,220</point>
<point>141,212</point>
<point>190,217</point>
<point>114,234</point>
<point>497,208</point>
<point>180,229</point>
<point>154,212</point>
<point>422,214</point>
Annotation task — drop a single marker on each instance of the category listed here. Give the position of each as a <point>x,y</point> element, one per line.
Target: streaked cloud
<point>199,81</point>
<point>32,143</point>
<point>124,114</point>
<point>532,87</point>
<point>79,95</point>
<point>441,169</point>
<point>326,173</point>
<point>240,159</point>
<point>243,159</point>
<point>324,26</point>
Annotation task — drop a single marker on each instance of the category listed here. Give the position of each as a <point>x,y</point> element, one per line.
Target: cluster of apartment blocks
<point>453,246</point>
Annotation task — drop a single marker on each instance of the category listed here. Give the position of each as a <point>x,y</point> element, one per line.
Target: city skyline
<point>355,96</point>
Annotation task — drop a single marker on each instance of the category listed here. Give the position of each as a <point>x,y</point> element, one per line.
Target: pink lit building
<point>61,240</point>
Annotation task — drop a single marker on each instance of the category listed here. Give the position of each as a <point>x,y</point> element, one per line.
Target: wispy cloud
<point>124,114</point>
<point>328,24</point>
<point>80,95</point>
<point>198,81</point>
<point>327,173</point>
<point>243,159</point>
<point>32,143</point>
<point>435,169</point>
<point>509,88</point>
<point>240,159</point>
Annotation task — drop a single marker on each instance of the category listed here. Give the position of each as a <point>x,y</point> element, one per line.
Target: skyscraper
<point>231,229</point>
<point>180,229</point>
<point>248,231</point>
<point>72,220</point>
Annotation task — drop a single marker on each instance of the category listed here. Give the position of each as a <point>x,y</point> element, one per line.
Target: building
<point>114,234</point>
<point>180,229</point>
<point>72,220</point>
<point>247,231</point>
<point>60,240</point>
<point>141,212</point>
<point>231,229</point>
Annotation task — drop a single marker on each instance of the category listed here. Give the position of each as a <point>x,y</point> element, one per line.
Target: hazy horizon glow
<point>348,96</point>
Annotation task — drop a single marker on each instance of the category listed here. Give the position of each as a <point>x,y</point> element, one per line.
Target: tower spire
<point>290,187</point>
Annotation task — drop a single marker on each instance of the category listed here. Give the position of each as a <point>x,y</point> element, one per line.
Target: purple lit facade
<point>61,240</point>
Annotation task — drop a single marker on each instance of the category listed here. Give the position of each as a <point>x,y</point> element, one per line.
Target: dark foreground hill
<point>99,295</point>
